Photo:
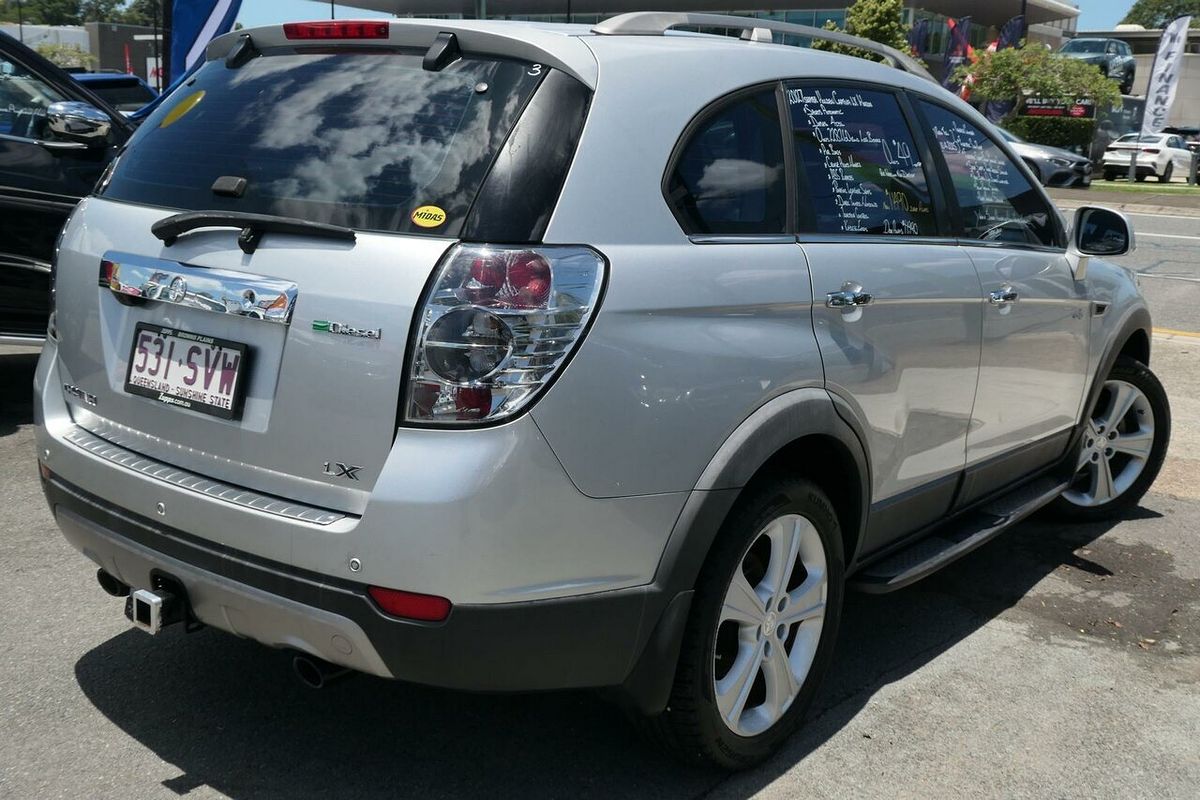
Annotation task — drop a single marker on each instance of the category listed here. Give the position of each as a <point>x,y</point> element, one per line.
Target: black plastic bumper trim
<point>587,641</point>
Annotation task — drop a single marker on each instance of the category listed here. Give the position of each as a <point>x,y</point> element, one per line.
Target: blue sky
<point>265,12</point>
<point>1094,14</point>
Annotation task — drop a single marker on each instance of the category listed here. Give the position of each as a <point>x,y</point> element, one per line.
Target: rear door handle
<point>851,295</point>
<point>1003,296</point>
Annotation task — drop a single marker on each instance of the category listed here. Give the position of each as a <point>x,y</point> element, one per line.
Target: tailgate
<point>321,385</point>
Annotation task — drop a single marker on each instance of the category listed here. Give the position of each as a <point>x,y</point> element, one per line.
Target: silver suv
<point>513,357</point>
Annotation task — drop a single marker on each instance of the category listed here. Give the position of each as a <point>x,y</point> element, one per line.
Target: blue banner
<point>194,24</point>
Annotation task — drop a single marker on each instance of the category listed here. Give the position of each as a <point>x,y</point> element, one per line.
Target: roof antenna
<point>443,52</point>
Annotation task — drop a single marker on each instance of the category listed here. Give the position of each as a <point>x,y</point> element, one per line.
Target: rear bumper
<point>587,641</point>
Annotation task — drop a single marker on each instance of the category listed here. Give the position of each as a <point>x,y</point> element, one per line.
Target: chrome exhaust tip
<point>316,673</point>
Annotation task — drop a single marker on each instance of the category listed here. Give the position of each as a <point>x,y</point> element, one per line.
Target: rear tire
<point>1140,177</point>
<point>1110,175</point>
<point>761,630</point>
<point>1122,448</point>
<point>1166,176</point>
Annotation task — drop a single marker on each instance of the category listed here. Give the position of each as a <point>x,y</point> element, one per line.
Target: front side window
<point>729,176</point>
<point>861,170</point>
<point>24,99</point>
<point>998,203</point>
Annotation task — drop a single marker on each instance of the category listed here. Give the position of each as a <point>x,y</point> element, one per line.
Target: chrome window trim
<point>742,238</point>
<point>190,481</point>
<point>218,291</point>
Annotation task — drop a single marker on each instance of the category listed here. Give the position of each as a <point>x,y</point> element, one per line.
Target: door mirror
<point>1098,232</point>
<point>1102,232</point>
<point>74,121</point>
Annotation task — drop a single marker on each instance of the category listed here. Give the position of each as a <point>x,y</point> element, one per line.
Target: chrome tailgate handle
<point>1003,296</point>
<point>850,295</point>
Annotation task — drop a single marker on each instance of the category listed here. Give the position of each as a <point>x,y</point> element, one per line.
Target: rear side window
<point>367,140</point>
<point>729,176</point>
<point>998,203</point>
<point>861,171</point>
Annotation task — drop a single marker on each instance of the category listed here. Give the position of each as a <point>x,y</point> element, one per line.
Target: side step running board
<point>931,553</point>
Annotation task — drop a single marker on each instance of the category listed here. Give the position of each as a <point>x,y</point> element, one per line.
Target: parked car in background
<point>56,137</point>
<point>1052,166</point>
<point>1159,154</point>
<point>1113,57</point>
<point>124,92</point>
<point>1190,134</point>
<point>495,401</point>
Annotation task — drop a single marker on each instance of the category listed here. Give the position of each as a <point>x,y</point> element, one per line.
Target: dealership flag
<point>918,38</point>
<point>1164,77</point>
<point>195,23</point>
<point>1010,36</point>
<point>957,50</point>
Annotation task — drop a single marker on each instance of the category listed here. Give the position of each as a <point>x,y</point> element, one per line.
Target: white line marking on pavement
<point>1167,236</point>
<point>1168,277</point>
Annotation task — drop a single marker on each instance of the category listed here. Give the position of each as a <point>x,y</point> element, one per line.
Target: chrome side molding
<point>143,278</point>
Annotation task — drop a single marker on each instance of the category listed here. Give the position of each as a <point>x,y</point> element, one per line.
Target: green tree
<point>878,20</point>
<point>1157,13</point>
<point>66,55</point>
<point>143,12</point>
<point>100,10</point>
<point>1017,73</point>
<point>43,12</point>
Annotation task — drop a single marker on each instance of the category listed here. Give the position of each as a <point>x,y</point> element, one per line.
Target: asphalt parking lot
<point>1058,661</point>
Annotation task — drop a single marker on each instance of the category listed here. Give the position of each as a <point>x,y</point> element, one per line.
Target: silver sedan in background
<point>1052,166</point>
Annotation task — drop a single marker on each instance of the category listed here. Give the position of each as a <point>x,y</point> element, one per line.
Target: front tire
<point>1123,445</point>
<point>761,631</point>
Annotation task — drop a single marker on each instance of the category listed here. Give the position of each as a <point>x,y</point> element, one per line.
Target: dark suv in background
<point>1112,56</point>
<point>56,137</point>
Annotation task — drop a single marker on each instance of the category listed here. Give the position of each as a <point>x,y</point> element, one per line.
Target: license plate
<point>201,373</point>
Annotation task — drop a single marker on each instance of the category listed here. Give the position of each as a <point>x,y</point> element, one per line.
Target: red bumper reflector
<point>336,29</point>
<point>45,471</point>
<point>410,605</point>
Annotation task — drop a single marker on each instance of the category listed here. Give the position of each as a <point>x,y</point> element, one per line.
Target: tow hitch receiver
<point>150,610</point>
<point>165,604</point>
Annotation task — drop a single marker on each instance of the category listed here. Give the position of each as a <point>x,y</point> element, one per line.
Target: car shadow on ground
<point>16,390</point>
<point>228,714</point>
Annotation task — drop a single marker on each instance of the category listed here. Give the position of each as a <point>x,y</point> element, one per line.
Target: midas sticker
<point>428,216</point>
<point>185,105</point>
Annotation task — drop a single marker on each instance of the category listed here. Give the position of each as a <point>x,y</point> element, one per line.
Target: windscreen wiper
<point>253,227</point>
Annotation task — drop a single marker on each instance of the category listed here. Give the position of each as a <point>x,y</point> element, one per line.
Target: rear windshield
<point>123,94</point>
<point>368,140</point>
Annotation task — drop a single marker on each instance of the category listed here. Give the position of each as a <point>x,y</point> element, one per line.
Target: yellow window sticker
<point>428,216</point>
<point>185,105</point>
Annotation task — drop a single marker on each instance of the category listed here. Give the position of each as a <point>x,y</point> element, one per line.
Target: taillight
<point>1152,151</point>
<point>499,323</point>
<point>336,29</point>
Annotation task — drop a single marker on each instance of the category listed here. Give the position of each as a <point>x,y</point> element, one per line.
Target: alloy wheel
<point>770,625</point>
<point>1116,445</point>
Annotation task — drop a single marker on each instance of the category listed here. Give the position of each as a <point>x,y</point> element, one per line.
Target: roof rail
<point>657,23</point>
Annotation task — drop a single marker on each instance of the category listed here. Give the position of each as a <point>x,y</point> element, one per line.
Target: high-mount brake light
<point>336,29</point>
<point>498,325</point>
